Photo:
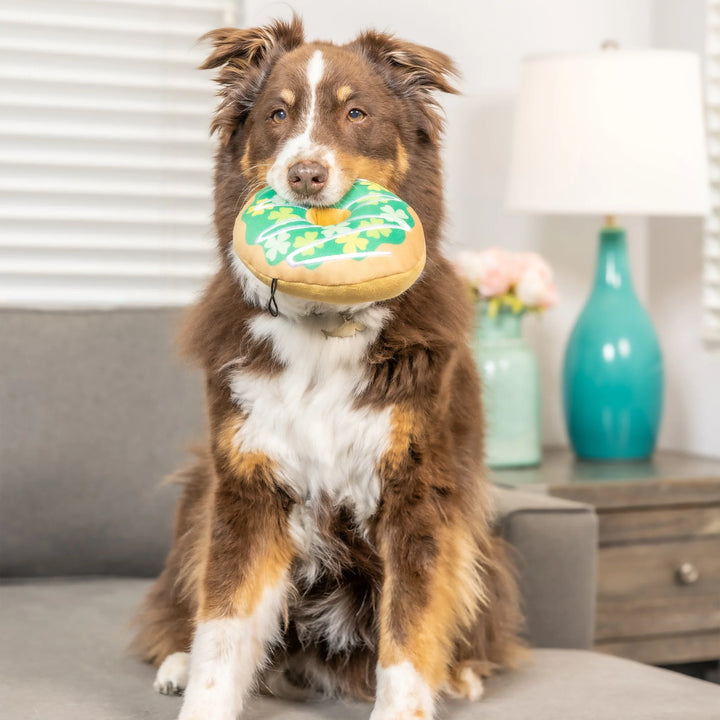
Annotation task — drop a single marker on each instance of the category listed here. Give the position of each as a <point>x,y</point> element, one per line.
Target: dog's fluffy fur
<point>334,536</point>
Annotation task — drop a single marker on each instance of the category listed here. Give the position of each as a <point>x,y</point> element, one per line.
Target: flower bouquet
<point>520,281</point>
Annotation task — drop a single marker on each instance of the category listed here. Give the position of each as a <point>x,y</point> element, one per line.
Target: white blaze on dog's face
<point>304,169</point>
<point>324,118</point>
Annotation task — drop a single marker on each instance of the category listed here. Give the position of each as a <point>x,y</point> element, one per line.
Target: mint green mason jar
<point>511,389</point>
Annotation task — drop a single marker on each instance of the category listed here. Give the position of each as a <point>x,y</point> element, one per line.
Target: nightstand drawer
<point>658,588</point>
<point>654,524</point>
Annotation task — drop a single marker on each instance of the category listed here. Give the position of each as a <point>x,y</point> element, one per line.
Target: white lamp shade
<point>612,132</point>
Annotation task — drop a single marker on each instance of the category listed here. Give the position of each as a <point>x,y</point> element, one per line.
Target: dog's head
<point>308,119</point>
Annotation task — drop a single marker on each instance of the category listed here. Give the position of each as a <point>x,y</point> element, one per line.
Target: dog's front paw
<point>403,711</point>
<point>465,681</point>
<point>402,694</point>
<point>209,706</point>
<point>172,675</point>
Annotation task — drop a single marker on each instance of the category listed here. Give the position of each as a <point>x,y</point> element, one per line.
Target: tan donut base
<point>341,282</point>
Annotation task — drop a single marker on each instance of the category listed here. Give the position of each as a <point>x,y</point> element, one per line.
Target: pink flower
<point>496,272</point>
<point>517,262</point>
<point>535,286</point>
<point>489,271</point>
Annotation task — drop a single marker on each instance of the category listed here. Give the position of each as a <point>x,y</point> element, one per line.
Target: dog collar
<point>347,328</point>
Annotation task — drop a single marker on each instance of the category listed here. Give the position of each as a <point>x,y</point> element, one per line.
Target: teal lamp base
<point>613,370</point>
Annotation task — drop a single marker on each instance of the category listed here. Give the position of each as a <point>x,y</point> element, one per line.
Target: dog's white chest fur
<point>305,419</point>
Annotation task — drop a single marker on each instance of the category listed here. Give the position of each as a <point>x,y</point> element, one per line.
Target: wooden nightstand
<point>659,552</point>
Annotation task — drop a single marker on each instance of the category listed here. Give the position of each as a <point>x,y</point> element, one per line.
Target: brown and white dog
<point>334,536</point>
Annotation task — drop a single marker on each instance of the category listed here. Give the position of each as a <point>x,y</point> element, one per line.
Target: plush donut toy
<point>370,246</point>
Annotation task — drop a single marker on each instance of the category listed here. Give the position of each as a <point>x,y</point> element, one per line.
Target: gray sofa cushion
<point>554,545</point>
<point>62,657</point>
<point>95,409</point>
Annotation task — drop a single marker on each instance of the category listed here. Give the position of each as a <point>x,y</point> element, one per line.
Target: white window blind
<point>711,254</point>
<point>105,158</point>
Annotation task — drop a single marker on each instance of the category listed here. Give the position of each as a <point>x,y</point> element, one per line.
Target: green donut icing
<point>286,235</point>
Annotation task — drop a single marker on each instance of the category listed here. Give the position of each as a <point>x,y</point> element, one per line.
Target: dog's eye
<point>356,115</point>
<point>279,116</point>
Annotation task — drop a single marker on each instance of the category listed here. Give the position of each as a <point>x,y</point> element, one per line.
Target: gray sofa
<point>95,410</point>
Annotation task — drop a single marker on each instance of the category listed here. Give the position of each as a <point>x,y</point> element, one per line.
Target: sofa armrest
<point>554,545</point>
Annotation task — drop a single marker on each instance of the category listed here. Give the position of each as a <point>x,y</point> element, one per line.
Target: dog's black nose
<point>307,178</point>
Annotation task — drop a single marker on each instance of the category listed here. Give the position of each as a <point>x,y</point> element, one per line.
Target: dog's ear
<point>412,70</point>
<point>246,56</point>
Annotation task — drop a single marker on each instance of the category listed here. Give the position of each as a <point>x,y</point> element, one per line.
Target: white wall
<point>488,38</point>
<point>692,408</point>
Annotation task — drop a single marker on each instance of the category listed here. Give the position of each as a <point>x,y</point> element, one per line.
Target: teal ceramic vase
<point>511,389</point>
<point>613,372</point>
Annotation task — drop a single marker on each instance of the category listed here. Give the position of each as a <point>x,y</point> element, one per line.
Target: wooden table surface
<point>560,467</point>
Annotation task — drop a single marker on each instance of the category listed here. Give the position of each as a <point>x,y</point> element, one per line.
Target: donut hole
<point>327,215</point>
